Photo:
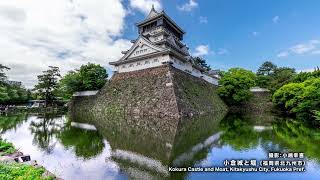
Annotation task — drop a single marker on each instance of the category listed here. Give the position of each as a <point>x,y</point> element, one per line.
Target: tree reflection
<point>44,129</point>
<point>298,137</point>
<point>285,134</point>
<point>11,121</point>
<point>85,143</point>
<point>48,128</point>
<point>238,133</point>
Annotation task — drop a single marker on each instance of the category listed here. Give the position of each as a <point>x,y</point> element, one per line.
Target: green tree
<point>280,77</point>
<point>301,99</point>
<point>263,81</point>
<point>11,92</point>
<point>88,77</point>
<point>266,69</point>
<point>16,93</point>
<point>302,76</point>
<point>264,74</point>
<point>3,76</point>
<point>316,115</point>
<point>4,97</point>
<point>235,85</point>
<point>93,76</point>
<point>69,84</point>
<point>47,84</point>
<point>202,63</point>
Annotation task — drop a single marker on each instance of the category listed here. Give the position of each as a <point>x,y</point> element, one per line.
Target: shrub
<point>235,85</point>
<point>299,98</point>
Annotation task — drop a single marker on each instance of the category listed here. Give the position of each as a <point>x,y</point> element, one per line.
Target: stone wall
<point>259,108</point>
<point>195,96</point>
<point>158,93</point>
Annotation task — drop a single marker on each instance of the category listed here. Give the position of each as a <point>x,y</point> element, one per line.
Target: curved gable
<point>141,47</point>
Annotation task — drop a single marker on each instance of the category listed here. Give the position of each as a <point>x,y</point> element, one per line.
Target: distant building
<point>36,103</point>
<point>159,43</point>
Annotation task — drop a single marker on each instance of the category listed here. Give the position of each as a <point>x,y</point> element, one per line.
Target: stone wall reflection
<point>144,148</point>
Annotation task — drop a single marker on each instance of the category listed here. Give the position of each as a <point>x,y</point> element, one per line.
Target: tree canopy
<point>11,92</point>
<point>202,63</point>
<point>280,77</point>
<point>272,77</point>
<point>302,76</point>
<point>88,77</point>
<point>302,99</point>
<point>267,68</point>
<point>235,85</point>
<point>47,84</point>
<point>3,76</point>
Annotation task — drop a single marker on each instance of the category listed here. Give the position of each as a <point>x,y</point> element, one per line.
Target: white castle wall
<point>143,64</point>
<point>158,61</point>
<point>187,67</point>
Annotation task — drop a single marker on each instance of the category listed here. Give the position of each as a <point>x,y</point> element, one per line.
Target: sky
<point>35,34</point>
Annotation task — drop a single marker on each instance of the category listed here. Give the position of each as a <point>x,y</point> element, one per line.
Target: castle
<point>159,43</point>
<point>156,104</point>
<point>156,77</point>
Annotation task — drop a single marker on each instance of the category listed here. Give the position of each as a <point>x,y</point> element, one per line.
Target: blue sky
<point>246,33</point>
<point>35,34</point>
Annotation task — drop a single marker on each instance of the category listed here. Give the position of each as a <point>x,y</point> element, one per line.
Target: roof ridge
<point>152,13</point>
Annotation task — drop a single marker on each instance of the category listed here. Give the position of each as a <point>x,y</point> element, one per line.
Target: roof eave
<point>166,16</point>
<point>116,63</point>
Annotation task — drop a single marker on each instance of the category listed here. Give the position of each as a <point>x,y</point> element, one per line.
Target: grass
<point>18,171</point>
<point>21,172</point>
<point>6,147</point>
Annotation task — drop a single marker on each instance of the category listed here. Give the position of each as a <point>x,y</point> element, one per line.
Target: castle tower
<point>160,42</point>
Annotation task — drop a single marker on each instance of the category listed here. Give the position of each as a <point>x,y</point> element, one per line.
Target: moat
<point>74,151</point>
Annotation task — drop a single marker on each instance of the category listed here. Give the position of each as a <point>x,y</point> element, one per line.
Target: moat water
<point>81,151</point>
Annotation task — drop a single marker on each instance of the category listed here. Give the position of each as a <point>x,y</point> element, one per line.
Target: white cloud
<point>201,50</point>
<point>222,51</point>
<point>188,6</point>
<point>203,19</point>
<point>37,33</point>
<point>145,5</point>
<point>255,33</point>
<point>275,19</point>
<point>283,54</point>
<point>303,48</point>
<point>306,48</point>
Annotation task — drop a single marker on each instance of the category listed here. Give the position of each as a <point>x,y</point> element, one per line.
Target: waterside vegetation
<point>293,94</point>
<point>12,170</point>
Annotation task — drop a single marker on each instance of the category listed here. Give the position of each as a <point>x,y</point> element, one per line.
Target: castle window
<point>123,66</point>
<point>155,60</point>
<point>131,65</point>
<point>138,63</point>
<point>145,50</point>
<point>146,62</point>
